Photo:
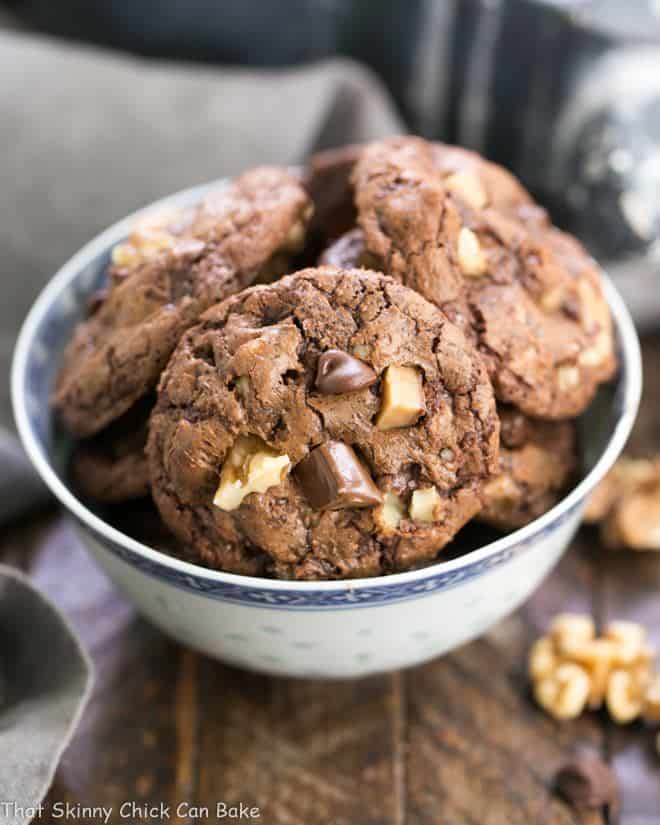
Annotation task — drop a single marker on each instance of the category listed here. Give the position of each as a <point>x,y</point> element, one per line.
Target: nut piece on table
<point>467,185</point>
<point>471,258</point>
<point>423,504</point>
<point>635,520</point>
<point>543,660</point>
<point>618,665</point>
<point>627,505</point>
<point>338,372</point>
<point>626,475</point>
<point>564,694</point>
<point>333,478</point>
<point>597,656</point>
<point>651,709</point>
<point>403,398</point>
<point>569,630</point>
<point>250,467</point>
<point>630,642</point>
<point>624,697</point>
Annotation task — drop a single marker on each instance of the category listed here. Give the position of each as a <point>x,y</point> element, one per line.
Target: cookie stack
<point>420,368</point>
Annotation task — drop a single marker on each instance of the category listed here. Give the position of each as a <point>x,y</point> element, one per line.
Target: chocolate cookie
<point>332,424</point>
<point>163,279</point>
<point>349,251</point>
<point>112,465</point>
<point>327,178</point>
<point>537,458</point>
<point>467,236</point>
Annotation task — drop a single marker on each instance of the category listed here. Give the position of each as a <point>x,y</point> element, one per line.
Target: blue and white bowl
<point>316,629</point>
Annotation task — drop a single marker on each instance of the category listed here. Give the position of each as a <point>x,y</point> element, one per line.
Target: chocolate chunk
<point>339,372</point>
<point>258,370</point>
<point>586,781</point>
<point>333,478</point>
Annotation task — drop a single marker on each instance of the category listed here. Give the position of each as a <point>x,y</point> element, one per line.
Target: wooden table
<point>456,742</point>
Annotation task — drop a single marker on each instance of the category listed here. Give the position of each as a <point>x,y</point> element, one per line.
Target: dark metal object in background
<point>380,33</point>
<point>566,93</point>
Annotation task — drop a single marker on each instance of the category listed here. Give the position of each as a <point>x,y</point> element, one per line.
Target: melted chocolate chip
<point>338,372</point>
<point>333,478</point>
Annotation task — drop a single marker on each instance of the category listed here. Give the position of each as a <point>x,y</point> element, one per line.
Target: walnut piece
<point>471,258</point>
<point>467,185</point>
<point>563,694</point>
<point>150,234</point>
<point>617,666</point>
<point>567,377</point>
<point>392,511</point>
<point>361,351</point>
<point>553,298</point>
<point>627,505</point>
<point>502,489</point>
<point>627,475</point>
<point>423,504</point>
<point>651,709</point>
<point>403,398</point>
<point>624,696</point>
<point>543,659</point>
<point>570,629</point>
<point>250,467</point>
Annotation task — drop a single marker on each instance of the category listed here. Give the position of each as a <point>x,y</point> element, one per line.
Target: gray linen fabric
<point>45,680</point>
<point>87,137</point>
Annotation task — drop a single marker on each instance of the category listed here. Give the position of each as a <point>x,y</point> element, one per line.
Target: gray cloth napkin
<point>90,136</point>
<point>45,680</point>
<point>87,137</point>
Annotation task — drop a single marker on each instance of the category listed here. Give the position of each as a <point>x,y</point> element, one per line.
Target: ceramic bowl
<point>311,629</point>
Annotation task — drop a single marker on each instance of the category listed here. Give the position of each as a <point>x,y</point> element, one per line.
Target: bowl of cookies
<point>335,420</point>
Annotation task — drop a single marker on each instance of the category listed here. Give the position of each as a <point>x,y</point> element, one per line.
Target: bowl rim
<point>631,369</point>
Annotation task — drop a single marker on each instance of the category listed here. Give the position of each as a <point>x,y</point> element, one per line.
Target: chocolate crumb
<point>587,782</point>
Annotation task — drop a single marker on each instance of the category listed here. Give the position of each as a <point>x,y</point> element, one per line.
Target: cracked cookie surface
<point>342,425</point>
<point>173,267</point>
<point>466,235</point>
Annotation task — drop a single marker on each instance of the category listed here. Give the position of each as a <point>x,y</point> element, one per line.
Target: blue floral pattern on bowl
<point>349,597</point>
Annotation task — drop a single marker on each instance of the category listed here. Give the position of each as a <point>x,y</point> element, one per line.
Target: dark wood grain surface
<point>457,741</point>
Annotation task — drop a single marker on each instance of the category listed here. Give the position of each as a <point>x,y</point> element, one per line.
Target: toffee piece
<point>259,470</point>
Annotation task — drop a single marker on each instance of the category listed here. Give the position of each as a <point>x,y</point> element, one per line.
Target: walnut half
<point>250,467</point>
<point>627,505</point>
<point>572,669</point>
